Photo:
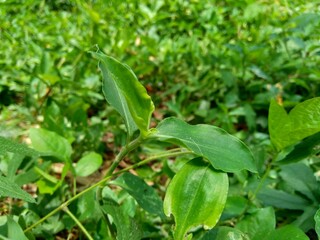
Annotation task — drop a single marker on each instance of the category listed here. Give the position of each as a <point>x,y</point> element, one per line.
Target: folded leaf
<point>224,151</point>
<point>125,93</point>
<point>196,196</point>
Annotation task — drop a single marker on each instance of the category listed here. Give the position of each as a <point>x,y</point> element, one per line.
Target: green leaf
<point>317,220</point>
<point>224,151</point>
<point>258,224</point>
<point>225,233</point>
<point>302,150</point>
<point>302,121</point>
<point>281,199</point>
<point>88,164</point>
<point>14,230</point>
<point>300,178</point>
<point>126,94</point>
<point>50,143</point>
<point>11,189</point>
<point>7,145</point>
<point>287,232</point>
<point>127,228</point>
<point>196,196</point>
<point>145,195</point>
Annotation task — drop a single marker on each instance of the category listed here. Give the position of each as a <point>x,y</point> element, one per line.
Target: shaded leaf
<point>225,233</point>
<point>224,151</point>
<point>196,196</point>
<point>11,189</point>
<point>258,224</point>
<point>317,220</point>
<point>281,199</point>
<point>88,164</point>
<point>14,230</point>
<point>125,93</point>
<point>51,143</point>
<point>127,228</point>
<point>145,195</point>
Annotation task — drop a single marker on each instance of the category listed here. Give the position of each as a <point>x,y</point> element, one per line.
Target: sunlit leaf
<point>224,151</point>
<point>196,196</point>
<point>301,122</point>
<point>125,93</point>
<point>88,164</point>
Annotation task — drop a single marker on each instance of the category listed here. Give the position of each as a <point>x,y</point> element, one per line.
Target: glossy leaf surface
<point>50,143</point>
<point>224,151</point>
<point>145,195</point>
<point>125,93</point>
<point>302,121</point>
<point>196,196</point>
<point>11,189</point>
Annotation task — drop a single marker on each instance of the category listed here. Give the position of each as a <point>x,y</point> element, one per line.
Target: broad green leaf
<point>302,150</point>
<point>258,224</point>
<point>196,196</point>
<point>51,143</point>
<point>281,199</point>
<point>145,195</point>
<point>301,178</point>
<point>225,233</point>
<point>127,228</point>
<point>317,220</point>
<point>302,121</point>
<point>14,230</point>
<point>224,151</point>
<point>125,93</point>
<point>7,145</point>
<point>88,164</point>
<point>287,232</point>
<point>235,206</point>
<point>11,189</point>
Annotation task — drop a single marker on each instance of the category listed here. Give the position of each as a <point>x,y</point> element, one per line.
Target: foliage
<point>214,135</point>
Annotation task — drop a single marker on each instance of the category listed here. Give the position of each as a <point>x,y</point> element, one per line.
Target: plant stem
<point>172,153</point>
<point>66,209</point>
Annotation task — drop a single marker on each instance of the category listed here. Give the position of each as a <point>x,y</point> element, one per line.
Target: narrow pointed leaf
<point>224,151</point>
<point>317,220</point>
<point>145,195</point>
<point>11,189</point>
<point>196,196</point>
<point>125,93</point>
<point>301,122</point>
<point>7,145</point>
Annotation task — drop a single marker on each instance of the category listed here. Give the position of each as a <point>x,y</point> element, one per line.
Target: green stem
<point>75,219</point>
<point>101,182</point>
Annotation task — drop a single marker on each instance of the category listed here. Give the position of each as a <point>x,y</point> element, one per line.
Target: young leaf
<point>10,189</point>
<point>7,145</point>
<point>51,143</point>
<point>88,164</point>
<point>224,151</point>
<point>125,93</point>
<point>127,228</point>
<point>302,121</point>
<point>258,224</point>
<point>196,196</point>
<point>145,195</point>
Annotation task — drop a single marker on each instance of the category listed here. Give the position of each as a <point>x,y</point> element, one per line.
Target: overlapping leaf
<point>224,151</point>
<point>126,94</point>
